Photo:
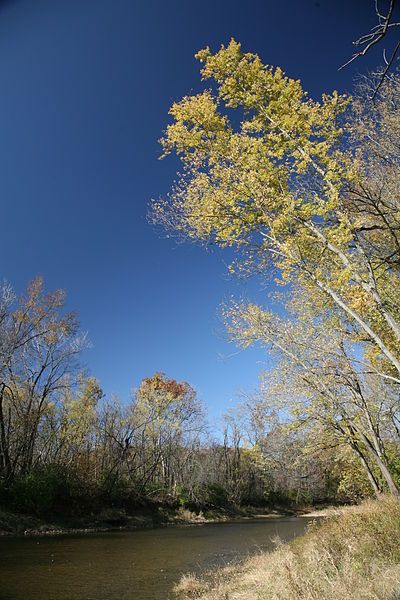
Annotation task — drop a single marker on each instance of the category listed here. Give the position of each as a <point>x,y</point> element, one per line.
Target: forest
<point>66,450</point>
<point>307,193</point>
<point>270,229</point>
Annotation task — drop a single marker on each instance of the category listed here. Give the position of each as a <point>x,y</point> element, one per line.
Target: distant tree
<point>168,412</point>
<point>77,423</point>
<point>40,344</point>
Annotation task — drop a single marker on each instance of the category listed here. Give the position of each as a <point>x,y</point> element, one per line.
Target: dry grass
<point>190,587</point>
<point>184,515</point>
<point>354,555</point>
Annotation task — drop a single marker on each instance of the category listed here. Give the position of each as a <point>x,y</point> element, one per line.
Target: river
<point>134,565</point>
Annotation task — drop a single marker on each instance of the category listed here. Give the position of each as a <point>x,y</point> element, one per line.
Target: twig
<point>377,33</point>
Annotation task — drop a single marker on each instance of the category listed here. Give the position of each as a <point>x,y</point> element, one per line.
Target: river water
<point>135,565</point>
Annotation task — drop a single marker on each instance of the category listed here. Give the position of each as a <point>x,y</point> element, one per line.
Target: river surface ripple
<point>134,565</point>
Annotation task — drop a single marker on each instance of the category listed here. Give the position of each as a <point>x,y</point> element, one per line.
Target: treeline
<point>66,449</point>
<point>307,193</point>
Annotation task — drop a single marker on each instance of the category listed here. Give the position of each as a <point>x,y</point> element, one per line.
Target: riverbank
<point>144,517</point>
<point>352,555</point>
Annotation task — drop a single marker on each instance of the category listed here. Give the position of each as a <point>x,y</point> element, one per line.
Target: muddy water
<point>137,565</point>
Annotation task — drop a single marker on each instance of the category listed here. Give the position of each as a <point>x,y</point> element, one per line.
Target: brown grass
<point>353,555</point>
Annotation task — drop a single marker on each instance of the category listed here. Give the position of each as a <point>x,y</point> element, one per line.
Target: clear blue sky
<point>85,90</point>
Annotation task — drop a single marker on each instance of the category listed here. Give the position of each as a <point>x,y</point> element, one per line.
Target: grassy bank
<point>353,555</point>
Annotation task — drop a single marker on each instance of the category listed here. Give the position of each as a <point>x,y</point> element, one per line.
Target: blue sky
<point>86,87</point>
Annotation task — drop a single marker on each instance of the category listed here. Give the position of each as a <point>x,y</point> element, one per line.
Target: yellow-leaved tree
<point>272,173</point>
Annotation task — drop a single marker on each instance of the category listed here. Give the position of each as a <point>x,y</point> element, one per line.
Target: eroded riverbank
<point>12,524</point>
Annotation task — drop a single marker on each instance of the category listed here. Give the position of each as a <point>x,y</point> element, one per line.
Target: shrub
<point>48,490</point>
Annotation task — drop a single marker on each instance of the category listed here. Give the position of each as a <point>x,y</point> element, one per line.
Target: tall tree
<point>276,187</point>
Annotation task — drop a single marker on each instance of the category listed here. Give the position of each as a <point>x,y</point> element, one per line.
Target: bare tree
<point>386,22</point>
